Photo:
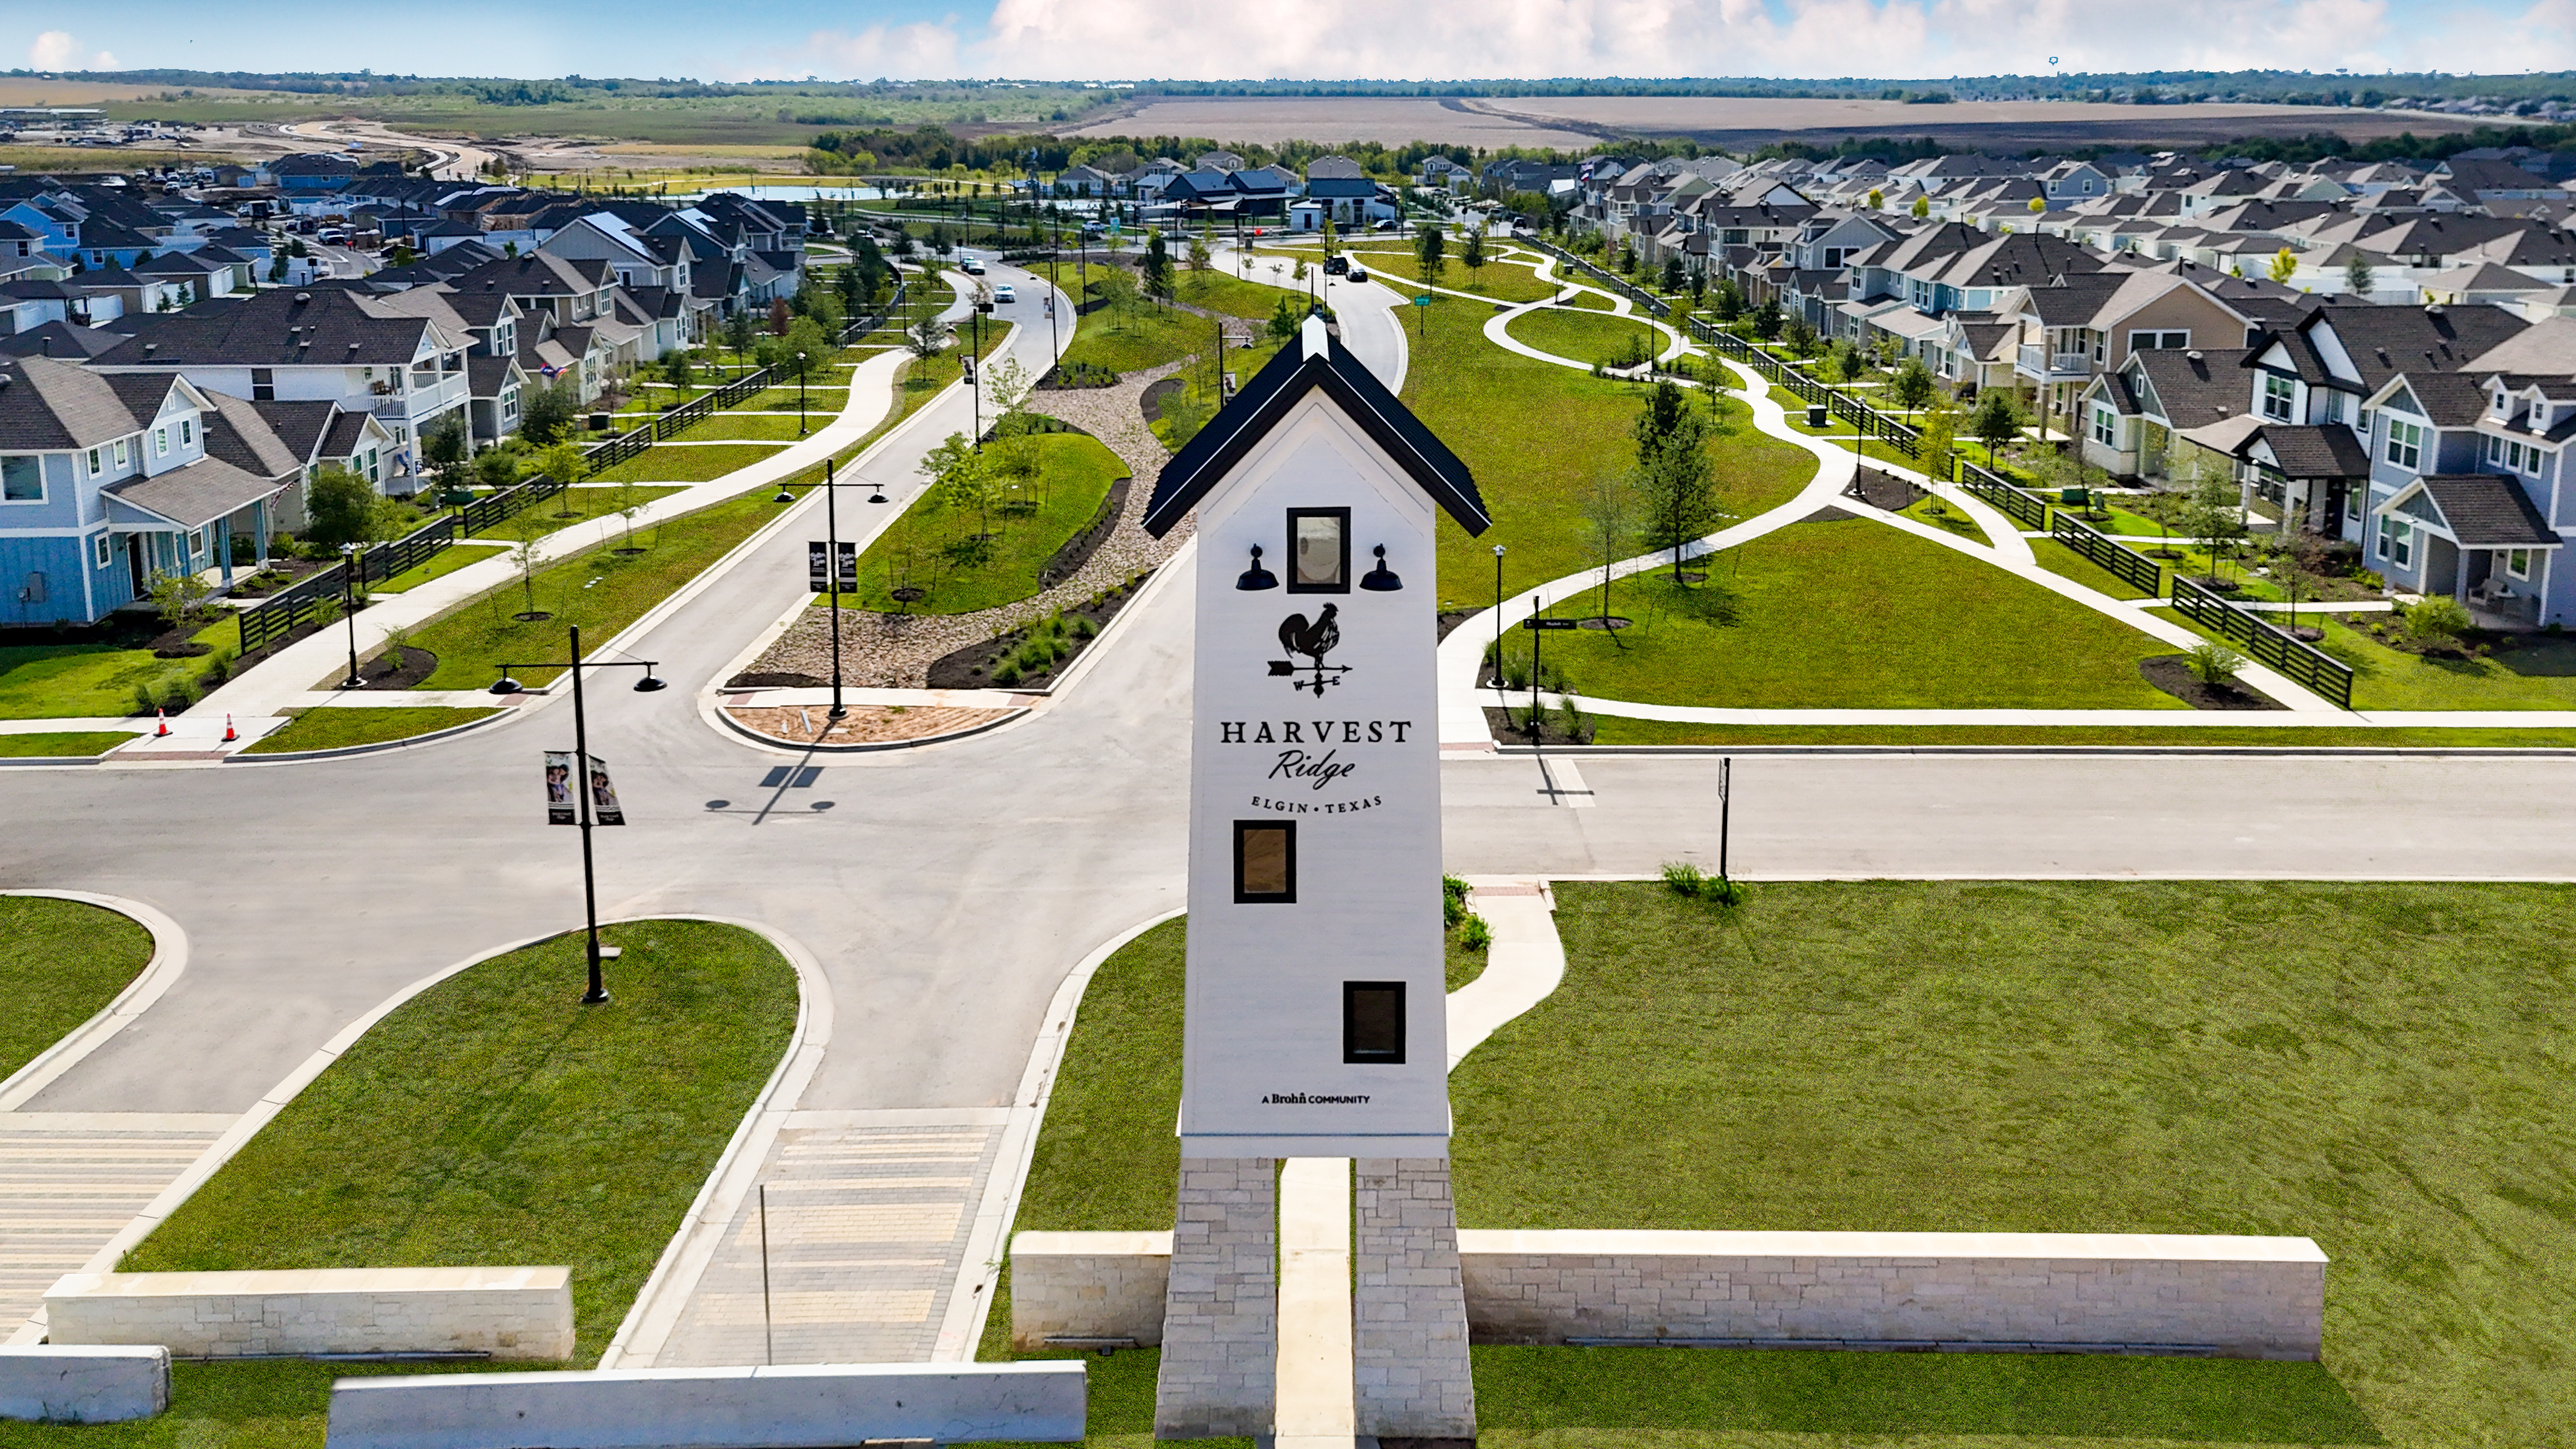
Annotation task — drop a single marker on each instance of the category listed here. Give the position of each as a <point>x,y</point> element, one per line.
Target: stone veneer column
<point>1409,1340</point>
<point>1221,1312</point>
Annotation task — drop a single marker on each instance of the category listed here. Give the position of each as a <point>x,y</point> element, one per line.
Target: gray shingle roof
<point>2304,451</point>
<point>51,406</point>
<point>198,494</point>
<point>2486,510</point>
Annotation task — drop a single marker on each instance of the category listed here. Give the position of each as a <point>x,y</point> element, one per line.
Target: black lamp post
<point>353,557</point>
<point>1498,618</point>
<point>597,991</point>
<point>832,563</point>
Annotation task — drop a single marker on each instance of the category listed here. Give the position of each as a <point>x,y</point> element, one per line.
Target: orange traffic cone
<point>229,736</point>
<point>162,723</point>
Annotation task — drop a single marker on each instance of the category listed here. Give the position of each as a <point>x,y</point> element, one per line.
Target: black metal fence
<point>2127,564</point>
<point>482,513</point>
<point>289,608</point>
<point>2300,662</point>
<point>2019,504</point>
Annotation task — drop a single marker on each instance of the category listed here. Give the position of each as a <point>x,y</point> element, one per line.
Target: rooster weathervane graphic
<point>1314,640</point>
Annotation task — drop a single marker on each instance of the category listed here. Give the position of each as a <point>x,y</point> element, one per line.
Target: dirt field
<point>1580,121</point>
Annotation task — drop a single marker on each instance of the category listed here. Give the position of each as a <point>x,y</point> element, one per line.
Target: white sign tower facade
<point>1315,1007</point>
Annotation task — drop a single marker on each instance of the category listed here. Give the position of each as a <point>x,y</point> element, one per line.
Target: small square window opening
<point>1265,862</point>
<point>1373,1023</point>
<point>1319,550</point>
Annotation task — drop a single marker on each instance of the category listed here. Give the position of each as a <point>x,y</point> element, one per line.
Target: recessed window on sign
<point>1265,862</point>
<point>1373,1023</point>
<point>1319,550</point>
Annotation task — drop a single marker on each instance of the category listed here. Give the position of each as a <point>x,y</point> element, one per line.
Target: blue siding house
<point>105,485</point>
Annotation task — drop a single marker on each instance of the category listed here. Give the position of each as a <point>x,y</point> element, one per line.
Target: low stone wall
<point>1088,1286</point>
<point>2238,1297</point>
<point>509,1313</point>
<point>56,1384</point>
<point>2102,1292</point>
<point>795,1406</point>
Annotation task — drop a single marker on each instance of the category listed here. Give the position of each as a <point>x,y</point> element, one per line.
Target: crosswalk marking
<point>69,1182</point>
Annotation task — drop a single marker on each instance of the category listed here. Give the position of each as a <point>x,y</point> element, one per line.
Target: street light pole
<point>352,558</point>
<point>598,990</point>
<point>832,566</point>
<point>1498,619</point>
<point>800,394</point>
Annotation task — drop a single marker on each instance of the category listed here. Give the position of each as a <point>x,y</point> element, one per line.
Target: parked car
<point>1387,224</point>
<point>1002,293</point>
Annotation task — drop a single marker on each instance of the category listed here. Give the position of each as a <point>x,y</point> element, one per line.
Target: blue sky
<point>1440,39</point>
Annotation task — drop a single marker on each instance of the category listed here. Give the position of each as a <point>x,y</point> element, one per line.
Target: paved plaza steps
<point>868,1228</point>
<point>70,1180</point>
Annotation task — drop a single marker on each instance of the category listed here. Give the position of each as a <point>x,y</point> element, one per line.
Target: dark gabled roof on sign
<point>1207,457</point>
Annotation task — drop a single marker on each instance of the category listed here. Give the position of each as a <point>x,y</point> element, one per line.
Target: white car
<point>1002,293</point>
<point>970,266</point>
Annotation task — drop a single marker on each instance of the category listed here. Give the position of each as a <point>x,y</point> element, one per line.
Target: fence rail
<point>2300,662</point>
<point>2019,504</point>
<point>2127,564</point>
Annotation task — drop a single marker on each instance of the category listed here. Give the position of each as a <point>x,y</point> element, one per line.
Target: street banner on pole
<point>815,577</point>
<point>817,572</point>
<point>603,795</point>
<point>559,809</point>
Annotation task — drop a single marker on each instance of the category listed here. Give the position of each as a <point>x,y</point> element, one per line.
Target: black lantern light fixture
<point>1256,577</point>
<point>1380,580</point>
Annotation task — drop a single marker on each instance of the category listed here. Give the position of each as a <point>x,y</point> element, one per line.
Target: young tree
<point>1766,320</point>
<point>1877,199</point>
<point>1672,278</point>
<point>545,413</point>
<point>1801,336</point>
<point>1608,526</point>
<point>964,479</point>
<point>1699,286</point>
<point>2356,276</point>
<point>178,597</point>
<point>524,554</point>
<point>1201,259</point>
<point>443,449</point>
<point>738,337</point>
<point>1117,296</point>
<point>1922,208</point>
<point>1995,422</point>
<point>496,468</point>
<point>1474,255</point>
<point>340,507</point>
<point>2298,568</point>
<point>1936,444</point>
<point>1675,477</point>
<point>926,338</point>
<point>1158,267</point>
<point>679,372</point>
<point>1914,387</point>
<point>1730,300</point>
<point>2215,518</point>
<point>563,462</point>
<point>2285,264</point>
<point>1428,249</point>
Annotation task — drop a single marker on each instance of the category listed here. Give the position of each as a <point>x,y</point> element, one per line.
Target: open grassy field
<point>339,727</point>
<point>1537,437</point>
<point>495,1119</point>
<point>1848,614</point>
<point>1616,731</point>
<point>60,962</point>
<point>933,546</point>
<point>703,464</point>
<point>601,590</point>
<point>1141,336</point>
<point>1586,336</point>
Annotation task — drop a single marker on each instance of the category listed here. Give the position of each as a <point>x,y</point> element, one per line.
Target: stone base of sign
<point>1410,1376</point>
<point>1221,1310</point>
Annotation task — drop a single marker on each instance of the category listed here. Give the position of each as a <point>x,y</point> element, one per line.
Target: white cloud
<point>923,50</point>
<point>60,50</point>
<point>1443,39</point>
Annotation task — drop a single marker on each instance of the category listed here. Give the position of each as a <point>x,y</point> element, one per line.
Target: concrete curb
<point>2389,751</point>
<point>26,762</point>
<point>289,757</point>
<point>970,1301</point>
<point>169,960</point>
<point>725,718</point>
<point>675,1274</point>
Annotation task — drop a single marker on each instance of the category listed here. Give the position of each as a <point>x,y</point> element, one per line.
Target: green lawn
<point>1503,281</point>
<point>931,546</point>
<point>67,681</point>
<point>755,427</point>
<point>2360,1064</point>
<point>600,590</point>
<point>457,555</point>
<point>60,962</point>
<point>1948,517</point>
<point>694,464</point>
<point>1220,291</point>
<point>2065,562</point>
<point>337,727</point>
<point>66,743</point>
<point>495,1120</point>
<point>571,506</point>
<point>1537,436</point>
<point>1106,1158</point>
<point>1616,731</point>
<point>1585,336</point>
<point>1142,336</point>
<point>1849,614</point>
<point>2540,673</point>
<point>234,1404</point>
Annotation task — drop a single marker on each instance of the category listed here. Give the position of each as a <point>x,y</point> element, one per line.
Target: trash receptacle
<point>1815,415</point>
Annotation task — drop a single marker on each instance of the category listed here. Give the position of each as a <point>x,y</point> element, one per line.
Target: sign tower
<point>1315,1007</point>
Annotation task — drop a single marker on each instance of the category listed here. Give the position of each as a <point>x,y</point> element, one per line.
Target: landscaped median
<point>490,1120</point>
<point>62,744</point>
<point>61,962</point>
<point>2341,1062</point>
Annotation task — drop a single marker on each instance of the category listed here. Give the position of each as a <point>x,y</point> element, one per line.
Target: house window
<point>2334,407</point>
<point>2517,562</point>
<point>160,442</point>
<point>1265,862</point>
<point>22,480</point>
<point>2278,394</point>
<point>187,432</point>
<point>263,384</point>
<point>120,452</point>
<point>2405,444</point>
<point>2396,540</point>
<point>2106,427</point>
<point>100,553</point>
<point>95,466</point>
<point>2361,421</point>
<point>372,475</point>
<point>2159,341</point>
<point>2495,450</point>
<point>1373,1023</point>
<point>2352,506</point>
<point>1319,550</point>
<point>2513,456</point>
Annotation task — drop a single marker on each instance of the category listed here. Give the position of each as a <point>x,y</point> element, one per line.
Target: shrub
<point>1453,901</point>
<point>2436,619</point>
<point>2215,665</point>
<point>144,699</point>
<point>220,667</point>
<point>1474,934</point>
<point>1683,878</point>
<point>1006,673</point>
